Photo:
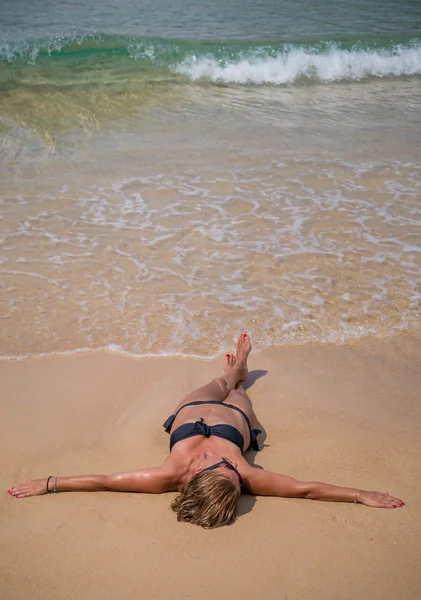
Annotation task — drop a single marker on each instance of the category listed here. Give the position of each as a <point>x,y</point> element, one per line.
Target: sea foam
<point>294,63</point>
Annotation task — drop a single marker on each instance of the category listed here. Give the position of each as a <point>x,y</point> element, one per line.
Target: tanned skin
<point>190,456</point>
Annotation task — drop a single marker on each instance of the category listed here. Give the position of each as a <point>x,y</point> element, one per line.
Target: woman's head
<point>209,499</point>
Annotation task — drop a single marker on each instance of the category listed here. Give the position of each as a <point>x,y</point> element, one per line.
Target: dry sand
<point>341,414</point>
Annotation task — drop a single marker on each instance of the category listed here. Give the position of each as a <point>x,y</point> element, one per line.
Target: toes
<point>229,360</point>
<point>242,339</point>
<point>243,345</point>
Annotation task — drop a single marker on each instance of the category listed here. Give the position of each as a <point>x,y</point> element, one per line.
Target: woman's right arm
<point>154,480</point>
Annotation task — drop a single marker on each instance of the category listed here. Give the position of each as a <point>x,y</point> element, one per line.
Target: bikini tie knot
<point>202,428</point>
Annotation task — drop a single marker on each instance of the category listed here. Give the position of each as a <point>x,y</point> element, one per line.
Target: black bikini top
<point>227,432</point>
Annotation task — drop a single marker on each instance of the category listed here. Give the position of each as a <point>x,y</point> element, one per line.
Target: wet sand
<point>348,415</point>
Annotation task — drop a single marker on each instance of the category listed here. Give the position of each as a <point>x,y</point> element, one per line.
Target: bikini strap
<point>253,439</point>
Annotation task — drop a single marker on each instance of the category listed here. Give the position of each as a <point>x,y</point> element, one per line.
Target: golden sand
<point>341,414</point>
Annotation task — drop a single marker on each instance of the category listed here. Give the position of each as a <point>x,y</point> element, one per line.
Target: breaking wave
<point>234,62</point>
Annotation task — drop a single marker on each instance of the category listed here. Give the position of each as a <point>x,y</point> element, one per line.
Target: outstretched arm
<point>154,480</point>
<point>265,483</point>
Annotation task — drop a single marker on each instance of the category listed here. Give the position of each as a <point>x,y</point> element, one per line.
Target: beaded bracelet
<point>54,490</point>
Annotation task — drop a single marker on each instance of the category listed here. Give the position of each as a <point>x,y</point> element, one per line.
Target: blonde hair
<point>209,499</point>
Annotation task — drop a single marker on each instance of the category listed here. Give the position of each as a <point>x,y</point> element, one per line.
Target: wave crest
<point>294,64</point>
<point>239,62</point>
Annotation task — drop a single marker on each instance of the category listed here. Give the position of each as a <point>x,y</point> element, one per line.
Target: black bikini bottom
<point>227,432</point>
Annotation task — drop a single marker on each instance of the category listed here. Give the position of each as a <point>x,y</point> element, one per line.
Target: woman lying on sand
<point>210,430</point>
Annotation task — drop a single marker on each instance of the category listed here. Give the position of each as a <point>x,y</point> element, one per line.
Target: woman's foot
<point>238,362</point>
<point>243,350</point>
<point>229,361</point>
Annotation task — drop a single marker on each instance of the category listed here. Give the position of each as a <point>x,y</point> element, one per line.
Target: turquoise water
<point>174,172</point>
<point>109,60</point>
<point>232,42</point>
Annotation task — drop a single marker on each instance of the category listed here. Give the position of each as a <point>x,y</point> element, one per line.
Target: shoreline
<point>347,414</point>
<point>116,350</point>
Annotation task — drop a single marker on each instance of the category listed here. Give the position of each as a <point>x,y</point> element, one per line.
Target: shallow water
<point>159,196</point>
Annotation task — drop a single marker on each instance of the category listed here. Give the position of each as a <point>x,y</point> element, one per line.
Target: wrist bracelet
<point>48,481</point>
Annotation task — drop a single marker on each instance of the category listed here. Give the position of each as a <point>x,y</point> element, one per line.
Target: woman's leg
<point>220,387</point>
<point>239,397</point>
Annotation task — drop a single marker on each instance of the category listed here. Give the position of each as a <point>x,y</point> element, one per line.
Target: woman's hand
<point>36,487</point>
<point>379,499</point>
<point>154,480</point>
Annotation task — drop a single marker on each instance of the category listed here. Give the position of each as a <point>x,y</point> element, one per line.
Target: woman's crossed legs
<point>228,387</point>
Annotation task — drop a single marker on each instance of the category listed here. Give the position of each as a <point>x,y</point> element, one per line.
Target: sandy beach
<point>173,174</point>
<point>348,415</point>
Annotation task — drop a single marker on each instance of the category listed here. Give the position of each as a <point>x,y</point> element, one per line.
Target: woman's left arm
<point>265,483</point>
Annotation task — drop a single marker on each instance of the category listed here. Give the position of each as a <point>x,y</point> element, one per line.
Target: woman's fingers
<point>392,502</point>
<point>30,488</point>
<point>17,491</point>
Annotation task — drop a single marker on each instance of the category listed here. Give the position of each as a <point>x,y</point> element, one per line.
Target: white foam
<point>187,268</point>
<point>294,63</point>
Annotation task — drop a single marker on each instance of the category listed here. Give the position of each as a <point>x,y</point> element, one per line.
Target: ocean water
<point>172,174</point>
